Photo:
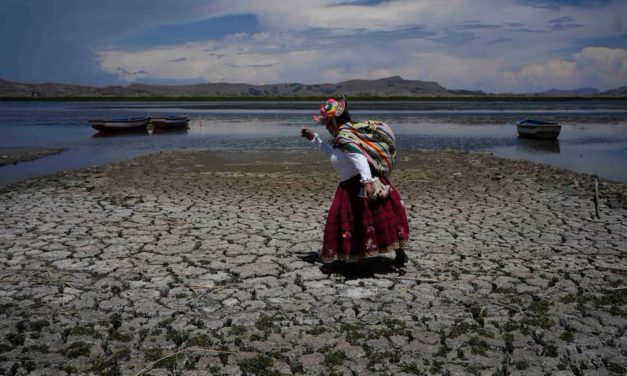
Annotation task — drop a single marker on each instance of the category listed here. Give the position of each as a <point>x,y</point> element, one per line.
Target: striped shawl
<point>374,139</point>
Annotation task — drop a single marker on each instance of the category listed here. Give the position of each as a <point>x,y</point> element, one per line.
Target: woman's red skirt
<point>358,227</point>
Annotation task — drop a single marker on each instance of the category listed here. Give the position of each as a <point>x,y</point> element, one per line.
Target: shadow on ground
<point>365,268</point>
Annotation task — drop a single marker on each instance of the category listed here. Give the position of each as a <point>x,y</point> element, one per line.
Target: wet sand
<point>10,156</point>
<point>108,269</point>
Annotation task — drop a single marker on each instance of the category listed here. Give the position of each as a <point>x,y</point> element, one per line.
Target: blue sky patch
<point>212,28</point>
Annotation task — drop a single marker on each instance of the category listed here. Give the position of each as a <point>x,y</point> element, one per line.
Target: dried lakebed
<point>210,257</point>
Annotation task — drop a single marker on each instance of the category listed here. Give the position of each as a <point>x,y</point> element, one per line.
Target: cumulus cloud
<point>493,45</point>
<point>599,67</point>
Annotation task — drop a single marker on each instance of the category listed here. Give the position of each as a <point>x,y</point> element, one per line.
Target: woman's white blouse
<point>346,164</point>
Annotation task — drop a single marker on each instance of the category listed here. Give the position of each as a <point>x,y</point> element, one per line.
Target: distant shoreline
<point>487,98</point>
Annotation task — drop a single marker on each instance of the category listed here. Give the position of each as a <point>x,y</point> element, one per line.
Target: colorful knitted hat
<point>330,108</point>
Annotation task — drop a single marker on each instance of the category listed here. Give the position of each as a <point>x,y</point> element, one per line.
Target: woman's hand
<point>369,189</point>
<point>307,133</point>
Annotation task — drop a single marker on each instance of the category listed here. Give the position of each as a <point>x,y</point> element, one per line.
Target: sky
<point>498,46</point>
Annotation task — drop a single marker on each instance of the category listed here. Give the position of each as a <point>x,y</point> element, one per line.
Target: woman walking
<point>367,217</point>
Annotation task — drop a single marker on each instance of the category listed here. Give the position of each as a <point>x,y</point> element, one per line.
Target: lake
<point>593,138</point>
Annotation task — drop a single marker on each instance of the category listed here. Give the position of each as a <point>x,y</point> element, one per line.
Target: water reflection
<point>162,131</point>
<point>129,133</point>
<point>538,146</point>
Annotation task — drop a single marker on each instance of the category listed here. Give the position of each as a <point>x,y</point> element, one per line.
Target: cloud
<point>460,43</point>
<point>598,67</point>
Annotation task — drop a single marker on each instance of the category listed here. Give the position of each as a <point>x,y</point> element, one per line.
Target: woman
<point>367,217</point>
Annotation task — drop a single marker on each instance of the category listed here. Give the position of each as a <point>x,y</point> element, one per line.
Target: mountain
<point>391,86</point>
<point>619,91</point>
<point>384,87</point>
<point>570,93</point>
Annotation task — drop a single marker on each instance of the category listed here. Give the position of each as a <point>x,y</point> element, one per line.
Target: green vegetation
<point>259,365</point>
<point>202,340</point>
<point>378,357</point>
<point>334,358</point>
<point>567,336</point>
<point>412,368</point>
<point>238,330</point>
<point>462,327</point>
<point>264,322</point>
<point>85,330</point>
<point>109,366</point>
<point>478,346</point>
<point>76,349</point>
<point>152,355</point>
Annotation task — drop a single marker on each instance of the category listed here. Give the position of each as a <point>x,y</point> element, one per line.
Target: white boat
<point>529,128</point>
<point>169,122</point>
<point>120,124</point>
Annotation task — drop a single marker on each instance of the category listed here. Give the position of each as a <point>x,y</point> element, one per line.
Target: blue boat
<point>530,128</point>
<point>121,124</point>
<point>169,121</point>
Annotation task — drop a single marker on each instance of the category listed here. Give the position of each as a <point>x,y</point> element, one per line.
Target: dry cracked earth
<point>193,263</point>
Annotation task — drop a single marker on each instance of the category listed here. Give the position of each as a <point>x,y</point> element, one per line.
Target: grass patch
<point>264,322</point>
<point>37,347</point>
<point>176,336</point>
<point>379,357</point>
<point>238,330</point>
<point>334,357</point>
<point>478,346</point>
<point>412,368</point>
<point>76,349</point>
<point>38,325</point>
<point>165,323</point>
<point>316,330</point>
<point>567,336</point>
<point>521,364</point>
<point>202,340</point>
<point>354,332</point>
<point>508,338</point>
<point>462,327</point>
<point>153,355</point>
<point>109,366</point>
<point>615,299</point>
<point>261,365</point>
<point>85,330</point>
<point>15,339</point>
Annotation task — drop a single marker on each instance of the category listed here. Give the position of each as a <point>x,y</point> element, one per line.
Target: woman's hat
<point>330,108</point>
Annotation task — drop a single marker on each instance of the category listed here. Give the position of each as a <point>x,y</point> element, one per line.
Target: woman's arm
<point>313,137</point>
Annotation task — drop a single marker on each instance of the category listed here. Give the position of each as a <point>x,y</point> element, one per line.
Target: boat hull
<point>120,125</point>
<point>169,123</point>
<point>545,132</point>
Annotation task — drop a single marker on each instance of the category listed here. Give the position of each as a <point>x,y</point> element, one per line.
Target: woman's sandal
<point>401,257</point>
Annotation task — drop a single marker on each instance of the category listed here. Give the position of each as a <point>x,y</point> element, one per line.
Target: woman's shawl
<point>374,139</point>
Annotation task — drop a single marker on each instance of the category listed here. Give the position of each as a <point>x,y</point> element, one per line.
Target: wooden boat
<point>529,128</point>
<point>121,124</point>
<point>169,122</point>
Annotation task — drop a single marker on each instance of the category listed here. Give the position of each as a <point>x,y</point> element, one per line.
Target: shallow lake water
<point>593,138</point>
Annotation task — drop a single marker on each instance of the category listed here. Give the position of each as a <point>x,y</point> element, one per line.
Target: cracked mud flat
<point>108,270</point>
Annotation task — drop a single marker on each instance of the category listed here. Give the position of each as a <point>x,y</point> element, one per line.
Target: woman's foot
<point>401,257</point>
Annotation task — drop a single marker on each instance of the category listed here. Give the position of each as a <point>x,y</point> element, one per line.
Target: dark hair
<point>344,118</point>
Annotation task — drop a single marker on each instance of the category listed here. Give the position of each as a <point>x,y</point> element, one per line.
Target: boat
<point>169,122</point>
<point>529,128</point>
<point>120,124</point>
